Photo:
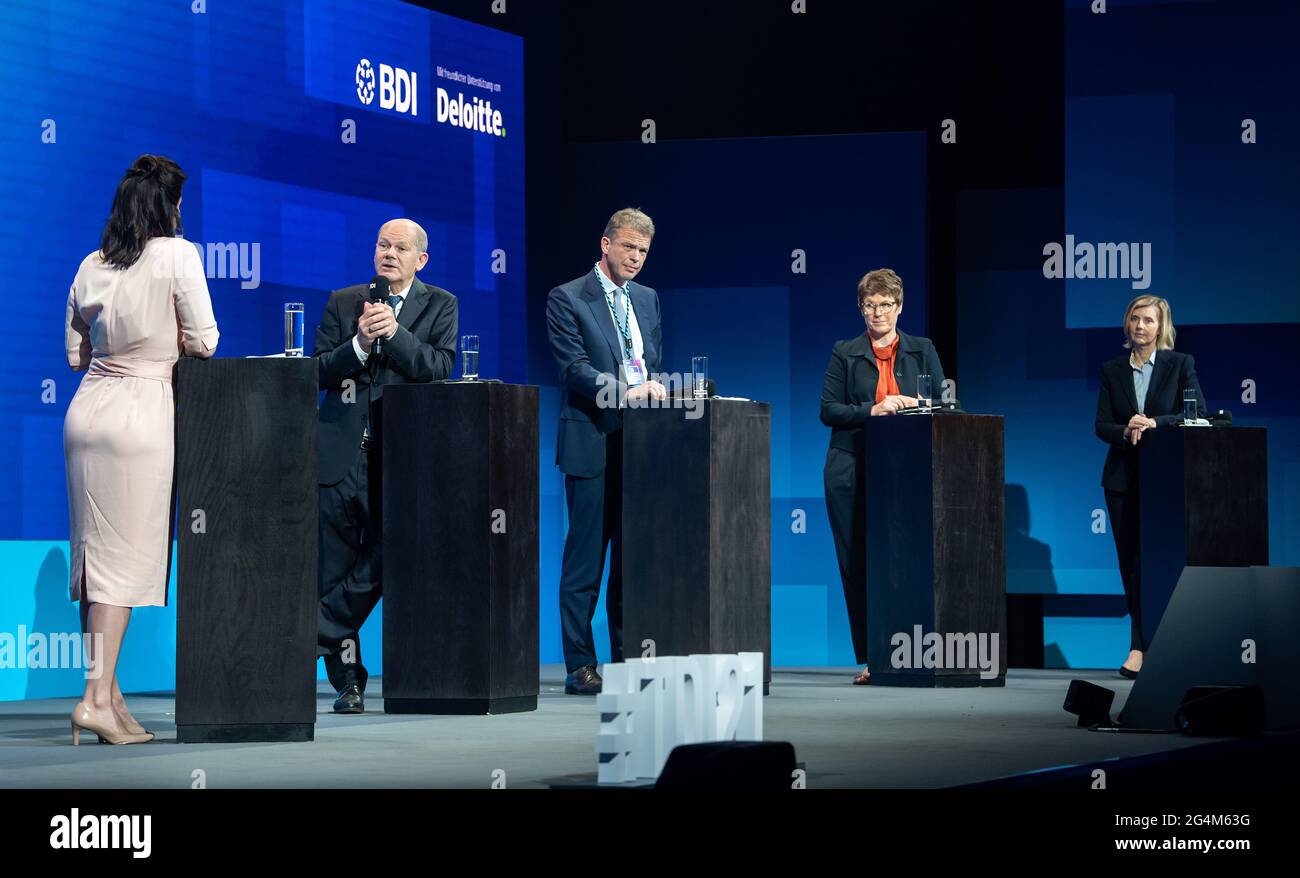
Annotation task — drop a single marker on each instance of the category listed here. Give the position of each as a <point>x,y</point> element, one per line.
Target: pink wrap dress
<point>125,329</point>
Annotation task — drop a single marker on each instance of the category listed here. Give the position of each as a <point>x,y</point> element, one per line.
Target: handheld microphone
<point>379,289</point>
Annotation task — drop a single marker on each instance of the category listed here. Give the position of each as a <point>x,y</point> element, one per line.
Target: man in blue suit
<point>606,336</point>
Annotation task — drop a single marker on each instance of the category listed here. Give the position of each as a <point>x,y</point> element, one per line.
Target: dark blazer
<point>586,346</point>
<point>849,390</point>
<point>1117,403</point>
<point>423,350</point>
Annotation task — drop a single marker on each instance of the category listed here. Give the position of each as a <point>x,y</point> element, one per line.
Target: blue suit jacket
<point>1117,403</point>
<point>587,350</point>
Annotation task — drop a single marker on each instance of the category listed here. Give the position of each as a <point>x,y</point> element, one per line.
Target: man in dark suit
<point>417,330</point>
<point>1141,390</point>
<point>606,337</point>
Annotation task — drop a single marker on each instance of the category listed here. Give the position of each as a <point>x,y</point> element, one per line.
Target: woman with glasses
<point>1141,390</point>
<point>868,376</point>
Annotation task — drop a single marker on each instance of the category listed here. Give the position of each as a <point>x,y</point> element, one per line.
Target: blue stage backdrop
<point>1179,147</point>
<point>760,243</point>
<point>302,126</point>
<point>759,246</point>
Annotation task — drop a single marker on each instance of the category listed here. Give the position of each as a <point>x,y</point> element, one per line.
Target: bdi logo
<point>365,81</point>
<point>398,88</point>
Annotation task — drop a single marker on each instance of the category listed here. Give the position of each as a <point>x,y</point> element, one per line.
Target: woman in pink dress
<point>136,305</point>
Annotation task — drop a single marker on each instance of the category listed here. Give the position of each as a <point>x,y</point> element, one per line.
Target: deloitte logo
<point>476,114</point>
<point>397,87</point>
<point>365,81</point>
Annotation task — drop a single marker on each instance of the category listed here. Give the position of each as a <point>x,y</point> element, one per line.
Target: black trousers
<point>845,496</point>
<point>349,572</point>
<point>595,522</point>
<point>1123,509</point>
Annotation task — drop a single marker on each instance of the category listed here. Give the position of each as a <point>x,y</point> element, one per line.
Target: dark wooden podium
<point>697,539</point>
<point>246,553</point>
<point>936,557</point>
<point>1203,503</point>
<point>460,548</point>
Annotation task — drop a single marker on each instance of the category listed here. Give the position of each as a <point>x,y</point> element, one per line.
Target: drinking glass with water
<point>1190,413</point>
<point>293,329</point>
<point>924,392</point>
<point>469,357</point>
<point>700,377</point>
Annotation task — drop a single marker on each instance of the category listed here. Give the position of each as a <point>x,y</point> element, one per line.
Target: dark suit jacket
<point>586,347</point>
<point>849,390</point>
<point>423,350</point>
<point>1117,403</point>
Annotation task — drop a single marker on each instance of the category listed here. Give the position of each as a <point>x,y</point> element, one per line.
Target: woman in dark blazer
<point>1140,391</point>
<point>870,375</point>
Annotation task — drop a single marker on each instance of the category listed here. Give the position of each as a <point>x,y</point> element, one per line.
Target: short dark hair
<point>881,282</point>
<point>144,207</point>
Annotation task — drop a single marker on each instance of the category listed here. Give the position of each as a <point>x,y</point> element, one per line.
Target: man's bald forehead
<point>408,230</point>
<point>397,228</point>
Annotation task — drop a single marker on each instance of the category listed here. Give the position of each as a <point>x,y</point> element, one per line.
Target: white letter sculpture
<point>649,706</point>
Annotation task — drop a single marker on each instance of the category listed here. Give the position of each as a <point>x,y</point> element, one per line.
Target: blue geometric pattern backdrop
<point>759,245</point>
<point>1159,156</point>
<point>1180,146</point>
<point>302,126</point>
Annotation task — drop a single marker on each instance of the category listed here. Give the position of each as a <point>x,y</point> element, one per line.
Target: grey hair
<point>630,218</point>
<point>421,239</point>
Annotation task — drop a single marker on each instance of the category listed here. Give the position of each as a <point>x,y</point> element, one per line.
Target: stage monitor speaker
<point>1221,711</point>
<point>1224,626</point>
<point>1090,702</point>
<point>730,766</point>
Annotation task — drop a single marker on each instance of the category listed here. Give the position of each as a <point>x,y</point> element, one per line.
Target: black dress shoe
<point>350,700</point>
<point>584,681</point>
<point>1127,674</point>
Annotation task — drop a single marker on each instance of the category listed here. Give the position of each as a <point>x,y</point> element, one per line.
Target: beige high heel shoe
<point>131,727</point>
<point>84,718</point>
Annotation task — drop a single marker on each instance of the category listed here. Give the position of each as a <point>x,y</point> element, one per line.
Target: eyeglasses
<point>882,308</point>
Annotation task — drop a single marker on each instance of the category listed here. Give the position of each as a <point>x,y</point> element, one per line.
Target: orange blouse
<point>887,385</point>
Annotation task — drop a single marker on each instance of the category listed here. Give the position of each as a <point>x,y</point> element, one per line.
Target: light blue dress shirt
<point>638,348</point>
<point>1142,378</point>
